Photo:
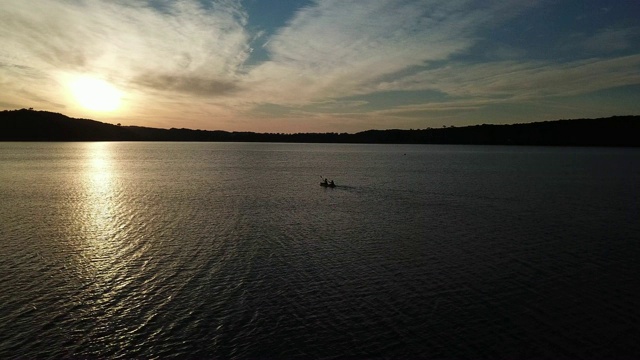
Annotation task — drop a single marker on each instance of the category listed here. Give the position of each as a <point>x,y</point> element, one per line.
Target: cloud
<point>328,50</point>
<point>523,80</point>
<point>193,58</point>
<point>128,40</point>
<point>609,40</point>
<point>336,48</point>
<point>186,84</point>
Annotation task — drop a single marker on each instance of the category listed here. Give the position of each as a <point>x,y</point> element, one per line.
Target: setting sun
<point>95,94</point>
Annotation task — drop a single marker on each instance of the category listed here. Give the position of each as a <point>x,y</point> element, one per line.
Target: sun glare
<point>95,94</point>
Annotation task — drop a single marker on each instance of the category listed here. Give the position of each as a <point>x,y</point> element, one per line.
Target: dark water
<point>208,250</point>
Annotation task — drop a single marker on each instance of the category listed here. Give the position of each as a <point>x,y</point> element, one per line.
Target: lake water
<point>233,250</point>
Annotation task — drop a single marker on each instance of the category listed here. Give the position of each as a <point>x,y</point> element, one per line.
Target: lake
<point>233,250</point>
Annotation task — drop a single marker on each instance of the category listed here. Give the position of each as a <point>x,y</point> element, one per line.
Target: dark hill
<point>30,125</point>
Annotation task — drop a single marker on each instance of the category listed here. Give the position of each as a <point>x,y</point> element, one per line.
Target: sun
<point>95,94</point>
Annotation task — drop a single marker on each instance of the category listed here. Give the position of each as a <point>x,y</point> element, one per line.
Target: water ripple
<point>123,250</point>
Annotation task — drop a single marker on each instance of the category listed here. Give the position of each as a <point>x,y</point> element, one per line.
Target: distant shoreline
<point>619,131</point>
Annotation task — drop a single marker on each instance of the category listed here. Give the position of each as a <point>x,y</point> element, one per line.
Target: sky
<point>321,65</point>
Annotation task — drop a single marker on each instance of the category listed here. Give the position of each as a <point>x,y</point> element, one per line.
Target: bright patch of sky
<point>325,65</point>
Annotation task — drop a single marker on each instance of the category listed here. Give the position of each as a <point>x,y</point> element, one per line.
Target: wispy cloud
<point>191,60</point>
<point>607,40</point>
<point>130,41</point>
<point>338,48</point>
<point>186,84</point>
<point>523,80</point>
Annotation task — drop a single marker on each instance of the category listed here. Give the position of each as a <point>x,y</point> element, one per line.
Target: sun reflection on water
<point>100,209</point>
<point>104,252</point>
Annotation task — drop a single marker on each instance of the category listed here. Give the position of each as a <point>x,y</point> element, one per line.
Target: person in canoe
<point>326,183</point>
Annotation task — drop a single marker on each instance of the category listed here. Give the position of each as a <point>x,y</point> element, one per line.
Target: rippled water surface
<point>221,250</point>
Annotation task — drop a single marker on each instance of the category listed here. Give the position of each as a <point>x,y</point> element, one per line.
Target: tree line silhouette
<point>32,125</point>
